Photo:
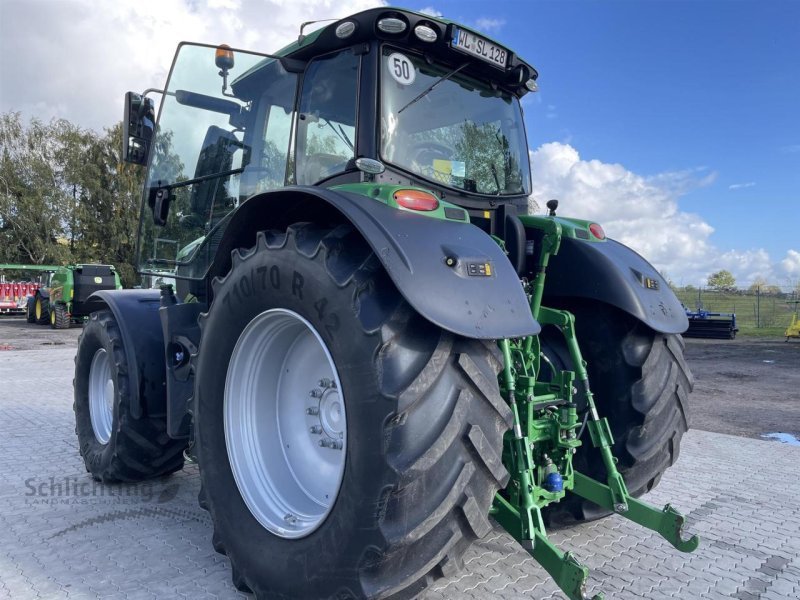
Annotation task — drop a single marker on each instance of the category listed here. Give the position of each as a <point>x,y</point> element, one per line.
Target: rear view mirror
<point>137,128</point>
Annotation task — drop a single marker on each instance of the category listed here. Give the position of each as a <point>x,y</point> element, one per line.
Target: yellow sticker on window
<point>445,167</point>
<point>98,280</point>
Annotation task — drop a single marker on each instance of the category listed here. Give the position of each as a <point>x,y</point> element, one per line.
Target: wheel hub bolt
<point>290,518</point>
<point>315,393</point>
<point>326,383</point>
<point>332,444</point>
<point>312,410</point>
<point>315,429</point>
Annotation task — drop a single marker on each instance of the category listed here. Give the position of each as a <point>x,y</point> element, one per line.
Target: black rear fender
<point>611,272</point>
<point>137,316</point>
<point>413,249</point>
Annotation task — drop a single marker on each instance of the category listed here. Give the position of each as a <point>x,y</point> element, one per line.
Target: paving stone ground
<point>62,536</point>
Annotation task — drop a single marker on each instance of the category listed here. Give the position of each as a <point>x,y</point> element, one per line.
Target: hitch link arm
<point>599,430</point>
<point>566,571</point>
<point>524,521</point>
<point>667,522</point>
<point>614,495</point>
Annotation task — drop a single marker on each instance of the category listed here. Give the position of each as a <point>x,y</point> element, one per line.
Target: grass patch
<point>762,332</point>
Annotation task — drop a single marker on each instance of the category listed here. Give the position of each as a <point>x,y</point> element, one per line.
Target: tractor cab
<point>385,96</point>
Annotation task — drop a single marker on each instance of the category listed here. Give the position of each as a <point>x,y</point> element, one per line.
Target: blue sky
<point>710,89</point>
<point>676,124</point>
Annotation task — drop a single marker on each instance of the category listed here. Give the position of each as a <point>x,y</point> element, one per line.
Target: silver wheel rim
<point>101,396</point>
<point>285,423</point>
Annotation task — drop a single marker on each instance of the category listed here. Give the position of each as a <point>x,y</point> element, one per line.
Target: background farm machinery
<point>714,325</point>
<point>54,294</point>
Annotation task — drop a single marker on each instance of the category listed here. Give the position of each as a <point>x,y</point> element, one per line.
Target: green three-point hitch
<point>547,430</point>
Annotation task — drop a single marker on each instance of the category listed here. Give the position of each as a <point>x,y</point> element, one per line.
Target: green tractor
<point>65,299</point>
<point>361,351</point>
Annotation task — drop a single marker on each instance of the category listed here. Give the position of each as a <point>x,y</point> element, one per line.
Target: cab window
<point>327,117</point>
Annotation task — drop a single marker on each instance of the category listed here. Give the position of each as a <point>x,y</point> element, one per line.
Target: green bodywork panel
<point>569,226</point>
<point>384,193</point>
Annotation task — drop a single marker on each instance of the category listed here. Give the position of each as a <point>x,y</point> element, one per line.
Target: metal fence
<point>755,308</point>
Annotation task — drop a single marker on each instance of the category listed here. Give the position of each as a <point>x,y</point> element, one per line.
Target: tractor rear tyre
<point>41,310</point>
<point>341,438</point>
<point>114,445</point>
<point>641,383</point>
<point>59,317</point>
<point>30,311</point>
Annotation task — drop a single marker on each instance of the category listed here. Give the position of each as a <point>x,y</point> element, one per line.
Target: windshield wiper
<point>342,135</point>
<point>496,178</point>
<point>433,85</point>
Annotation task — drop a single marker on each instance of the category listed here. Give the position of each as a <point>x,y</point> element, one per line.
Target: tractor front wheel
<point>641,383</point>
<point>341,438</point>
<point>114,445</point>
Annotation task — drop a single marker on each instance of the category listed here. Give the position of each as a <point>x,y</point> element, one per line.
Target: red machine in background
<point>18,282</point>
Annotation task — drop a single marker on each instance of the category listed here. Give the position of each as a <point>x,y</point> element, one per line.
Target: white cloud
<point>791,264</point>
<point>431,11</point>
<point>739,186</point>
<point>76,58</point>
<point>643,212</point>
<point>489,25</point>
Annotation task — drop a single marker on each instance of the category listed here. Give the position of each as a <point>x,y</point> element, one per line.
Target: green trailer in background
<point>63,301</point>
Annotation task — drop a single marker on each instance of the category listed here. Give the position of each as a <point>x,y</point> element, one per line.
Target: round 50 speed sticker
<point>401,68</point>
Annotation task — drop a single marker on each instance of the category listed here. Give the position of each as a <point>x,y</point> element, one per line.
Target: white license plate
<point>473,44</point>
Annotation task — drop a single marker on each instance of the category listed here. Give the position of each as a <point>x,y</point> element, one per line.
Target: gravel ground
<point>17,334</point>
<point>745,387</point>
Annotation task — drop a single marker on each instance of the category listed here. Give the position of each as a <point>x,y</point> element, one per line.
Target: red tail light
<point>597,231</point>
<point>416,200</point>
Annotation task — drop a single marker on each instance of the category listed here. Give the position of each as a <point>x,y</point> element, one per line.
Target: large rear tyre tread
<point>138,449</point>
<point>428,419</point>
<point>641,383</point>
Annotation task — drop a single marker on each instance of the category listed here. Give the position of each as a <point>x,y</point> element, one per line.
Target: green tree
<point>105,208</point>
<point>33,199</point>
<point>66,196</point>
<point>759,283</point>
<point>722,281</point>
